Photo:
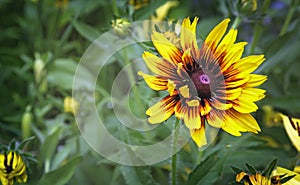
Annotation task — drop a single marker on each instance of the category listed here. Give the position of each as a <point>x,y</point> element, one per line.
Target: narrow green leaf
<point>86,31</point>
<point>251,168</point>
<point>62,175</point>
<point>23,143</point>
<point>130,175</point>
<point>285,179</point>
<point>203,169</point>
<point>267,172</point>
<point>236,169</point>
<point>49,146</point>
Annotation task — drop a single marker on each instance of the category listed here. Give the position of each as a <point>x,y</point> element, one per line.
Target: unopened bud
<point>26,123</point>
<point>121,27</point>
<point>38,67</point>
<point>71,105</point>
<point>247,7</point>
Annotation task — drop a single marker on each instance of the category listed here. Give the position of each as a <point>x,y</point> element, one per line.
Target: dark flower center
<point>202,83</point>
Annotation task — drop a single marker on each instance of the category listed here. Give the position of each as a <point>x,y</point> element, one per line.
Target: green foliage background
<point>58,36</point>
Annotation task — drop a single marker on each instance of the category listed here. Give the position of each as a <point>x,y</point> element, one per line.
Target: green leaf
<point>236,170</point>
<point>23,143</point>
<point>207,169</point>
<point>251,169</point>
<point>290,103</point>
<point>137,175</point>
<point>267,172</point>
<point>49,146</point>
<point>86,31</point>
<point>285,179</point>
<point>62,175</point>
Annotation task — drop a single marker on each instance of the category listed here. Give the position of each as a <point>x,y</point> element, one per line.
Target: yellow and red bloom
<point>210,84</point>
<point>12,167</point>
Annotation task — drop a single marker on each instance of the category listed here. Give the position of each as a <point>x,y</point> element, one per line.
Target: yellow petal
<point>235,122</point>
<point>220,105</point>
<point>239,177</point>
<point>165,48</point>
<point>190,115</point>
<point>187,59</point>
<point>249,64</point>
<point>193,103</point>
<point>188,34</point>
<point>215,118</point>
<point>159,66</point>
<point>198,135</point>
<point>185,91</point>
<point>232,94</point>
<point>216,34</point>
<point>244,104</point>
<point>233,55</point>
<point>154,82</point>
<point>255,80</point>
<point>254,94</point>
<point>205,107</point>
<point>162,110</point>
<point>171,87</point>
<point>2,159</point>
<point>292,127</point>
<point>226,43</point>
<point>235,83</point>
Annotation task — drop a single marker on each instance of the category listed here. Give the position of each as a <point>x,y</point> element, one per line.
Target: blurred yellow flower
<point>137,4</point>
<point>62,4</point>
<point>12,167</point>
<point>162,11</point>
<point>292,127</point>
<point>71,105</point>
<point>209,84</point>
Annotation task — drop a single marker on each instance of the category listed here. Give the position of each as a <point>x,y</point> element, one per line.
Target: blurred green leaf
<point>87,31</point>
<point>207,171</point>
<point>137,175</point>
<point>62,175</point>
<point>50,144</point>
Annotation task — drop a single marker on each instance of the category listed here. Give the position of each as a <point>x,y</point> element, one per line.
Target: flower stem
<point>174,152</point>
<point>256,36</point>
<point>258,27</point>
<point>288,17</point>
<point>236,22</point>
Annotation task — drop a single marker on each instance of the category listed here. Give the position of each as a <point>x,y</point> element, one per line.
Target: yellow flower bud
<point>71,105</point>
<point>247,7</point>
<point>121,27</point>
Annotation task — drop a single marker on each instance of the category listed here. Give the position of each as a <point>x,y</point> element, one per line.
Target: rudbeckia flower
<point>12,167</point>
<point>211,83</point>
